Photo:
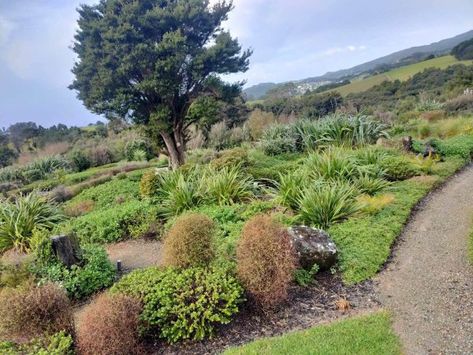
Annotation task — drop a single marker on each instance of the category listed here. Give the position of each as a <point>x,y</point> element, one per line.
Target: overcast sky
<point>291,40</point>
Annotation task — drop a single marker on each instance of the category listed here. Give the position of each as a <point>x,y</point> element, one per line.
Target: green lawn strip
<point>367,334</point>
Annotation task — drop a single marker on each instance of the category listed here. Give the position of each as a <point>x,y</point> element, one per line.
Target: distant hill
<point>258,91</point>
<point>402,73</point>
<point>406,56</point>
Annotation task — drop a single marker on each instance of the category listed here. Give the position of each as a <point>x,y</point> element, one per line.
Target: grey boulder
<point>313,246</point>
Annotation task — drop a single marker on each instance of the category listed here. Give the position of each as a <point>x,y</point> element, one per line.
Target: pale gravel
<point>428,285</point>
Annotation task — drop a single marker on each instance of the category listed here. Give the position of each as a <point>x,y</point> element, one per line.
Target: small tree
<point>149,60</point>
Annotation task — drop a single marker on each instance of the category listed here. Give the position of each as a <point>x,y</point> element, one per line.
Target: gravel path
<point>135,254</point>
<point>429,283</point>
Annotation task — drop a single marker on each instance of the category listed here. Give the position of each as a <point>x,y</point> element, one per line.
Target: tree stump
<point>67,250</point>
<point>407,144</point>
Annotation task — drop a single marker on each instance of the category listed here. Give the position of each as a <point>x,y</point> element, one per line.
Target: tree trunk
<point>175,150</point>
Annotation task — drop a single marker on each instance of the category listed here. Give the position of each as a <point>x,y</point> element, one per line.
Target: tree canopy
<point>149,60</point>
<point>464,50</point>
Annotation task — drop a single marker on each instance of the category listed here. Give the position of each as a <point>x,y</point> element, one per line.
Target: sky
<point>291,40</point>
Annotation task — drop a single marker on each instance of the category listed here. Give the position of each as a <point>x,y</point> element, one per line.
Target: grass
<point>402,74</point>
<point>368,334</point>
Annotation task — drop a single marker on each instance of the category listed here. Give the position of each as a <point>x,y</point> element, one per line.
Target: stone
<point>407,143</point>
<point>313,246</point>
<point>67,250</point>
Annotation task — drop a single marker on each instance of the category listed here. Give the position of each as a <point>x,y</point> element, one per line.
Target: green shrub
<point>278,139</point>
<point>138,145</point>
<point>59,343</point>
<point>265,261</point>
<point>149,184</point>
<point>19,218</point>
<point>14,275</point>
<point>332,164</point>
<point>226,186</point>
<point>289,189</point>
<point>190,241</point>
<point>230,158</point>
<point>323,204</point>
<point>80,281</point>
<point>183,304</point>
<point>456,146</point>
<point>305,277</point>
<point>79,160</point>
<point>399,168</point>
<point>370,185</point>
<point>127,220</point>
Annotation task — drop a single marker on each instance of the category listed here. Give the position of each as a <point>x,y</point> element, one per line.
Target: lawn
<point>402,73</point>
<point>368,334</point>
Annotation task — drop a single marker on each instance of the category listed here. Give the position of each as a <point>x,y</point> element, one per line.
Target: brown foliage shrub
<point>258,122</point>
<point>432,116</point>
<point>266,261</point>
<point>230,158</point>
<point>190,241</point>
<point>109,326</point>
<point>79,208</point>
<point>31,311</point>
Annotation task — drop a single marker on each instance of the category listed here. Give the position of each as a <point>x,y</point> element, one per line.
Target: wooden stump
<point>66,249</point>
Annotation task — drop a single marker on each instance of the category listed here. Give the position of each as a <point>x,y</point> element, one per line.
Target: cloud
<point>338,50</point>
<point>6,29</point>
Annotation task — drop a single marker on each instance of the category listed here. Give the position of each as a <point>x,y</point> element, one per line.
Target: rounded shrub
<point>149,184</point>
<point>110,326</point>
<point>138,145</point>
<point>266,261</point>
<point>183,304</point>
<point>79,160</point>
<point>189,242</point>
<point>29,312</point>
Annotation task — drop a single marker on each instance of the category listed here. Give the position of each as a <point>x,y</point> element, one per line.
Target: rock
<point>429,151</point>
<point>313,246</point>
<point>66,249</point>
<point>407,143</point>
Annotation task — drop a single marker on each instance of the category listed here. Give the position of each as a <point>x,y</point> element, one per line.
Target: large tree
<point>149,60</point>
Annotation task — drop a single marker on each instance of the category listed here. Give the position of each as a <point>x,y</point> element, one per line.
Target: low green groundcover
<point>369,334</point>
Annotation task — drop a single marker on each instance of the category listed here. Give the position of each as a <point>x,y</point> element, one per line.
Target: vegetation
<point>265,261</point>
<point>59,343</point>
<point>80,281</point>
<point>32,311</point>
<point>110,325</point>
<point>21,217</point>
<point>188,52</point>
<point>464,50</point>
<point>183,304</point>
<point>190,241</point>
<point>369,334</point>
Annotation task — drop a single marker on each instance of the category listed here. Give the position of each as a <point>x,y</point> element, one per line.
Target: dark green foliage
<point>79,160</point>
<point>149,60</point>
<point>464,50</point>
<point>399,168</point>
<point>81,281</point>
<point>230,158</point>
<point>183,304</point>
<point>305,277</point>
<point>138,145</point>
<point>456,146</point>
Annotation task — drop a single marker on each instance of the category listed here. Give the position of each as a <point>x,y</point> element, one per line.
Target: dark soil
<point>306,307</point>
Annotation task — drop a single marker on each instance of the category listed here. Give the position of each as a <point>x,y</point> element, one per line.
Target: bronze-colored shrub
<point>266,261</point>
<point>110,326</point>
<point>29,312</point>
<point>79,208</point>
<point>190,241</point>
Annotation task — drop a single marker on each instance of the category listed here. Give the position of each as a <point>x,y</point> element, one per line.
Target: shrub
<point>183,304</point>
<point>289,189</point>
<point>323,204</point>
<point>399,168</point>
<point>136,145</point>
<point>149,184</point>
<point>370,185</point>
<point>266,261</point>
<point>332,164</point>
<point>80,281</point>
<point>278,139</point>
<point>18,219</point>
<point>226,186</point>
<point>59,343</point>
<point>304,277</point>
<point>110,326</point>
<point>79,160</point>
<point>79,208</point>
<point>123,221</point>
<point>230,158</point>
<point>258,122</point>
<point>190,241</point>
<point>462,103</point>
<point>14,275</point>
<point>101,155</point>
<point>374,204</point>
<point>461,146</point>
<point>33,311</point>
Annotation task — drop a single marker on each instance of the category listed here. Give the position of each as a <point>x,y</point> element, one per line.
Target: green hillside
<point>402,73</point>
